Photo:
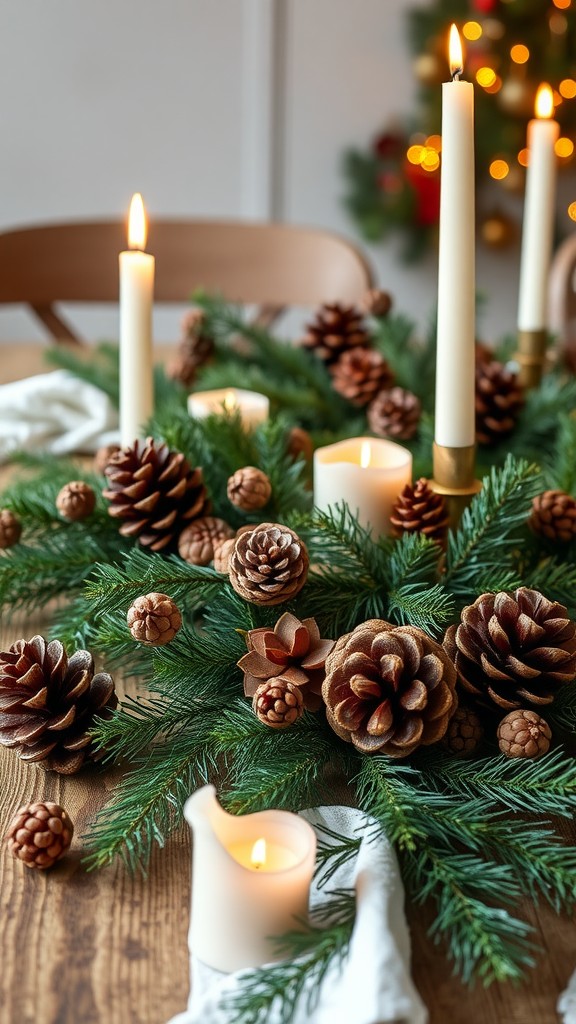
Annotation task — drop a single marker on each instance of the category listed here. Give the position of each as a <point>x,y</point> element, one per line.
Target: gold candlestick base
<point>531,357</point>
<point>454,479</point>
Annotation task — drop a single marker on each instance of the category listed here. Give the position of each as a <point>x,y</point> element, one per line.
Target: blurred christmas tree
<point>511,46</point>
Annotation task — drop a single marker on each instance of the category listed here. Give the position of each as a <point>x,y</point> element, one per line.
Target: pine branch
<point>331,856</point>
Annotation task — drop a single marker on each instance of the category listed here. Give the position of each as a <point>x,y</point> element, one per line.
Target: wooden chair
<point>271,266</point>
<point>562,297</point>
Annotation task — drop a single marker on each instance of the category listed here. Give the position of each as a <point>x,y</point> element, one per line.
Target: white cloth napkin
<point>567,1002</point>
<point>373,985</point>
<point>57,413</point>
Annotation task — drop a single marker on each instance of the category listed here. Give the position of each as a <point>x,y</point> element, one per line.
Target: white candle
<point>252,406</point>
<point>365,472</point>
<point>250,881</point>
<point>539,203</point>
<point>136,295</point>
<point>454,412</point>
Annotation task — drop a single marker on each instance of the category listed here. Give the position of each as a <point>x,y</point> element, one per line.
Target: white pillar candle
<point>365,472</point>
<point>454,412</point>
<point>252,406</point>
<point>538,221</point>
<point>251,880</point>
<point>136,296</point>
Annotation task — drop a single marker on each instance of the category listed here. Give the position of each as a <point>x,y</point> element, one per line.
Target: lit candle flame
<point>258,855</point>
<point>455,53</point>
<point>544,105</point>
<point>365,454</point>
<point>229,401</point>
<point>137,227</point>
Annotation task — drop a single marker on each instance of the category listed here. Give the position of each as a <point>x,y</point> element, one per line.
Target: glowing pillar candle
<point>365,472</point>
<point>250,881</point>
<point>136,296</point>
<point>252,406</point>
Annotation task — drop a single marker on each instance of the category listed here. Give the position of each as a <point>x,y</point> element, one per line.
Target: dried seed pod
<point>154,619</point>
<point>39,834</point>
<point>76,501</point>
<point>524,733</point>
<point>249,489</point>
<point>278,703</point>
<point>10,528</point>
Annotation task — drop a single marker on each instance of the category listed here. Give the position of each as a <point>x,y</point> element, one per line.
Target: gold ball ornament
<point>497,230</point>
<point>428,68</point>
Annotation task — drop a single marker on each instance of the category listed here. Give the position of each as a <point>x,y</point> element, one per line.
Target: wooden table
<point>109,948</point>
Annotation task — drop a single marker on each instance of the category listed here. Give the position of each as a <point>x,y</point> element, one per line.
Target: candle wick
<point>456,74</point>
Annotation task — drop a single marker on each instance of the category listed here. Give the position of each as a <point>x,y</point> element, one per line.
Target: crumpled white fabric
<point>57,413</point>
<point>373,985</point>
<point>567,1002</point>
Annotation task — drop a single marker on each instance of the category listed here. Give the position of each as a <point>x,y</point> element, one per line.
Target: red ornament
<point>484,6</point>
<point>388,145</point>
<point>426,185</point>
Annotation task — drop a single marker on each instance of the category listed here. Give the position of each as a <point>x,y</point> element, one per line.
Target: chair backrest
<point>562,294</point>
<point>269,265</point>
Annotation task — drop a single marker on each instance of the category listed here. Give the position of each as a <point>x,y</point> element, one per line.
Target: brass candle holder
<point>454,477</point>
<point>531,356</point>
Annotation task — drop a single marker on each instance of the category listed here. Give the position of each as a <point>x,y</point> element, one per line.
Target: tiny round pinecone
<point>103,456</point>
<point>524,733</point>
<point>418,509</point>
<point>464,733</point>
<point>377,302</point>
<point>249,489</point>
<point>10,528</point>
<point>155,493</point>
<point>195,349</point>
<point>499,398</point>
<point>335,329</point>
<point>359,374</point>
<point>196,543</point>
<point>394,413</point>
<point>513,650</point>
<point>389,689</point>
<point>300,444</point>
<point>39,834</point>
<point>154,619</point>
<point>48,703</point>
<point>269,564</point>
<point>76,501</point>
<point>554,516</point>
<point>278,703</point>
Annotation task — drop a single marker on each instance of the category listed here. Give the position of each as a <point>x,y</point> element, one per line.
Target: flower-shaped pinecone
<point>389,689</point>
<point>513,650</point>
<point>268,564</point>
<point>48,702</point>
<point>293,652</point>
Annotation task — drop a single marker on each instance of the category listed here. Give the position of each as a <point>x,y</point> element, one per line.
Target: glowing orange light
<point>485,77</point>
<point>495,87</point>
<point>365,454</point>
<point>137,226</point>
<point>258,855</point>
<point>498,169</point>
<point>572,211</point>
<point>430,161</point>
<point>519,53</point>
<point>567,88</point>
<point>562,5</point>
<point>544,105</point>
<point>455,56</point>
<point>558,23</point>
<point>414,154</point>
<point>564,147</point>
<point>557,98</point>
<point>434,142</point>
<point>230,401</point>
<point>524,157</point>
<point>472,30</point>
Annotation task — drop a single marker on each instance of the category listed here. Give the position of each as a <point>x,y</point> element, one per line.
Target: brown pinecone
<point>499,399</point>
<point>464,733</point>
<point>76,501</point>
<point>513,650</point>
<point>377,302</point>
<point>39,834</point>
<point>154,619</point>
<point>197,541</point>
<point>359,374</point>
<point>418,509</point>
<point>249,489</point>
<point>389,689</point>
<point>103,456</point>
<point>48,703</point>
<point>394,413</point>
<point>155,492</point>
<point>10,528</point>
<point>335,329</point>
<point>300,444</point>
<point>278,703</point>
<point>222,554</point>
<point>195,349</point>
<point>523,733</point>
<point>554,516</point>
<point>269,564</point>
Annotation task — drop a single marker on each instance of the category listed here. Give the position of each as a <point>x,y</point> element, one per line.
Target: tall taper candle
<point>136,295</point>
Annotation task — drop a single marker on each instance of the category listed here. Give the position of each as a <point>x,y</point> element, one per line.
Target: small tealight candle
<point>367,473</point>
<point>251,880</point>
<point>253,407</point>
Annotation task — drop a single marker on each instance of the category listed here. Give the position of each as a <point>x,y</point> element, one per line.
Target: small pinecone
<point>377,302</point>
<point>418,509</point>
<point>195,349</point>
<point>554,516</point>
<point>513,650</point>
<point>39,834</point>
<point>48,703</point>
<point>359,374</point>
<point>300,444</point>
<point>10,528</point>
<point>197,542</point>
<point>278,703</point>
<point>394,413</point>
<point>155,492</point>
<point>154,619</point>
<point>103,456</point>
<point>269,564</point>
<point>336,329</point>
<point>76,501</point>
<point>524,733</point>
<point>249,489</point>
<point>499,398</point>
<point>465,731</point>
<point>222,554</point>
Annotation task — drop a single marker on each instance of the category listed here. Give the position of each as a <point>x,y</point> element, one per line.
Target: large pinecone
<point>389,689</point>
<point>418,509</point>
<point>269,564</point>
<point>359,374</point>
<point>48,702</point>
<point>499,399</point>
<point>513,650</point>
<point>335,329</point>
<point>394,413</point>
<point>554,516</point>
<point>195,348</point>
<point>155,492</point>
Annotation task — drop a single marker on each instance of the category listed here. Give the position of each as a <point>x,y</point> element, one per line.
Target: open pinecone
<point>198,541</point>
<point>335,329</point>
<point>48,703</point>
<point>359,374</point>
<point>394,413</point>
<point>155,493</point>
<point>418,509</point>
<point>554,516</point>
<point>278,703</point>
<point>195,348</point>
<point>389,689</point>
<point>499,399</point>
<point>513,650</point>
<point>268,564</point>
